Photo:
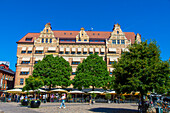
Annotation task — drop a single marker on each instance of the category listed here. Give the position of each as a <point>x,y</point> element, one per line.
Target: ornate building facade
<point>73,46</point>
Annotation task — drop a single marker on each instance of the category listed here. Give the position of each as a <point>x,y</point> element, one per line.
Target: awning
<point>51,48</point>
<point>76,92</point>
<point>40,48</point>
<point>91,50</point>
<point>24,69</point>
<point>102,49</point>
<point>85,49</point>
<point>125,49</point>
<point>76,59</point>
<point>111,69</point>
<point>67,49</point>
<point>26,59</point>
<point>61,49</point>
<point>23,48</point>
<point>39,58</point>
<point>79,49</point>
<point>73,49</point>
<point>96,49</point>
<point>112,49</point>
<point>73,69</point>
<point>66,58</point>
<point>113,59</point>
<point>29,48</point>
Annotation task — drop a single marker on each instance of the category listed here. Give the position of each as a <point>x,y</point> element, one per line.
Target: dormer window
<point>82,34</point>
<point>47,30</point>
<point>28,39</point>
<point>117,32</point>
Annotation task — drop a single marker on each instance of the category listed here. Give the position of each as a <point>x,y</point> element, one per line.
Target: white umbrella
<point>97,92</point>
<point>58,90</point>
<point>111,92</point>
<point>14,91</point>
<point>42,91</point>
<point>76,92</point>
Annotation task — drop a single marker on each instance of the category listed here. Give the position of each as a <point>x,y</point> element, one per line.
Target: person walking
<point>63,101</point>
<point>90,100</point>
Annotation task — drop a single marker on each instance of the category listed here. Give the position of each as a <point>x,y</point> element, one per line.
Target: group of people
<point>16,97</point>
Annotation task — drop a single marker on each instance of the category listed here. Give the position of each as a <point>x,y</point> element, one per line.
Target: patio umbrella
<point>14,91</point>
<point>76,92</point>
<point>58,90</point>
<point>97,92</point>
<point>111,92</point>
<point>31,91</point>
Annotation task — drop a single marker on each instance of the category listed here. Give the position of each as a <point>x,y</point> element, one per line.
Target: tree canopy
<point>141,69</point>
<point>33,83</point>
<point>91,72</point>
<point>53,71</point>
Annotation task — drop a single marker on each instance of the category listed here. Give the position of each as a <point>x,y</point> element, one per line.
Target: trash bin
<point>159,110</point>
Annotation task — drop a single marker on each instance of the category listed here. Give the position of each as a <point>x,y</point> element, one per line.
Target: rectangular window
<point>4,86</point>
<point>96,40</point>
<point>29,52</point>
<point>23,52</point>
<point>61,40</point>
<point>122,41</point>
<point>73,73</point>
<point>28,39</point>
<point>24,73</point>
<point>78,52</point>
<point>25,62</point>
<point>66,52</point>
<point>46,40</point>
<point>101,40</point>
<point>72,52</point>
<point>35,62</point>
<point>38,52</point>
<point>97,52</point>
<point>68,40</point>
<point>113,41</point>
<point>73,40</point>
<point>91,40</point>
<point>102,53</point>
<point>84,52</point>
<point>75,63</point>
<point>50,40</point>
<point>85,40</point>
<point>112,62</point>
<point>61,52</point>
<point>118,41</point>
<point>42,40</point>
<point>110,73</point>
<point>79,39</point>
<point>21,81</point>
<point>90,52</point>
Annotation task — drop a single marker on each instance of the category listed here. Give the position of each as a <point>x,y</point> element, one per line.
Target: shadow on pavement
<point>113,110</point>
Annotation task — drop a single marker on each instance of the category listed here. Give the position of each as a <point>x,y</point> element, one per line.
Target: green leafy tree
<point>141,69</point>
<point>33,83</point>
<point>91,72</point>
<point>53,71</point>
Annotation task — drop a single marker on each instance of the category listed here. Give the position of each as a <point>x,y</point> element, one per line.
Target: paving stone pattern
<point>71,108</point>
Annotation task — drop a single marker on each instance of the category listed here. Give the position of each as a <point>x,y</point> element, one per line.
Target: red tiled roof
<point>73,34</point>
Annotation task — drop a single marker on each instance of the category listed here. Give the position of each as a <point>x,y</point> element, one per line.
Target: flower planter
<point>35,104</point>
<point>25,102</point>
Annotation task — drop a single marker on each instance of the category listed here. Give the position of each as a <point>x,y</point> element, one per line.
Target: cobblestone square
<point>71,108</point>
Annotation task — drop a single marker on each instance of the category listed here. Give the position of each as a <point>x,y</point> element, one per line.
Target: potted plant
<point>123,98</point>
<point>25,102</point>
<point>35,103</point>
<point>93,97</point>
<point>108,97</point>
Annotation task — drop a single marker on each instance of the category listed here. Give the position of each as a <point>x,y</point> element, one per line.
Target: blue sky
<point>150,18</point>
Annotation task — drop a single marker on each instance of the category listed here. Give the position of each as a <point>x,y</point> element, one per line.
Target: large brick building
<point>6,78</point>
<point>74,46</point>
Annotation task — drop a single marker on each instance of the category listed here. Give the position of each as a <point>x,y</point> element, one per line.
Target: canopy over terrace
<point>96,92</point>
<point>13,91</point>
<point>58,90</point>
<point>40,90</point>
<point>76,92</point>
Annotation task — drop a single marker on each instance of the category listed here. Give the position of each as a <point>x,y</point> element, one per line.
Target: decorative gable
<point>47,35</point>
<point>82,36</point>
